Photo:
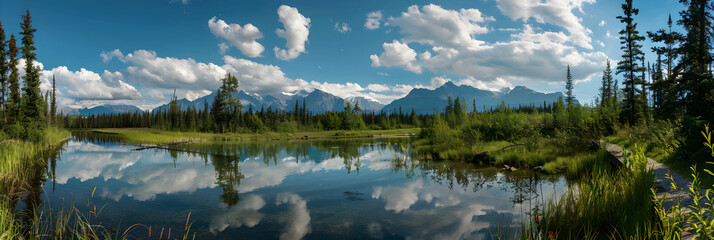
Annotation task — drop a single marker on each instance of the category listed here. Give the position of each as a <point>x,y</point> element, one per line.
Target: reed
<point>603,205</point>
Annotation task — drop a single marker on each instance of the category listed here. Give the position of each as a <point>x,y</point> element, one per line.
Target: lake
<point>325,189</point>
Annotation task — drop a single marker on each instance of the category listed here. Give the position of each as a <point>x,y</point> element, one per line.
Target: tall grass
<point>9,227</point>
<point>17,156</point>
<point>581,164</point>
<point>17,159</point>
<point>603,205</point>
<point>19,162</point>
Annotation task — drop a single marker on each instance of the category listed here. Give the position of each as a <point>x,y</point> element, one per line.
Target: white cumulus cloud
<point>295,32</point>
<point>452,47</point>
<point>242,37</point>
<point>84,84</point>
<point>107,56</point>
<point>435,25</point>
<point>557,12</point>
<point>396,54</point>
<point>167,72</point>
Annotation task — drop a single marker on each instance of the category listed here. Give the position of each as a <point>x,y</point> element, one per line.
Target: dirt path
<point>662,185</point>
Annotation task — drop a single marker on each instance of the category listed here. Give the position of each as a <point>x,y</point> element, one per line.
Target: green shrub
<point>15,131</point>
<point>287,127</point>
<point>35,131</point>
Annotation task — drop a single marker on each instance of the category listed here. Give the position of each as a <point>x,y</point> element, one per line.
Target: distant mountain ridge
<point>106,109</point>
<point>425,101</point>
<point>317,101</point>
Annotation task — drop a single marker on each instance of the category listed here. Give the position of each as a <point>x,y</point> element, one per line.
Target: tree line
<point>25,111</point>
<point>679,84</point>
<point>227,114</point>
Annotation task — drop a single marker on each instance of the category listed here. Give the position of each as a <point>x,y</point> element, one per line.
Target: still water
<point>337,189</point>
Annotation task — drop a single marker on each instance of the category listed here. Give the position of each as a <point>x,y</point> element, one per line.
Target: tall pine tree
<point>632,104</point>
<point>32,102</point>
<point>569,98</point>
<point>225,108</point>
<point>53,103</point>
<point>696,85</point>
<point>606,90</point>
<point>3,76</point>
<point>664,87</point>
<point>15,97</point>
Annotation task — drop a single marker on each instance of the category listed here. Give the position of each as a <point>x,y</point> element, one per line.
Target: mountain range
<point>425,101</point>
<point>316,101</point>
<point>105,109</point>
<point>422,100</point>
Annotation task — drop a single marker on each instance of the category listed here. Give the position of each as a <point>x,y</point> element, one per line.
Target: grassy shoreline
<point>13,152</point>
<point>15,173</point>
<point>155,136</point>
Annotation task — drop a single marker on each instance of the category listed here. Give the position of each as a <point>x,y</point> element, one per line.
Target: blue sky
<point>137,52</point>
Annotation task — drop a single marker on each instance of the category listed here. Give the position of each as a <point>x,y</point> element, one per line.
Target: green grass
<point>9,226</point>
<point>14,154</point>
<point>526,156</point>
<point>17,158</point>
<point>661,154</point>
<point>152,136</point>
<point>604,204</point>
<point>653,150</point>
<point>579,164</point>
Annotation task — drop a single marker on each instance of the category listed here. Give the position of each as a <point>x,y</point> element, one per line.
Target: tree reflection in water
<point>526,186</point>
<point>30,189</point>
<point>228,177</point>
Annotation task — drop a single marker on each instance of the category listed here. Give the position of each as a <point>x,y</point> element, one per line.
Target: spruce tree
<point>665,88</point>
<point>569,88</point>
<point>32,103</point>
<point>606,90</point>
<point>14,99</point>
<point>225,108</point>
<point>658,85</point>
<point>53,103</point>
<point>696,84</point>
<point>3,75</point>
<point>632,105</point>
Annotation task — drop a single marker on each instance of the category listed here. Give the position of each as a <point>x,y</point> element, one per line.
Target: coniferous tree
<point>658,85</point>
<point>3,75</point>
<point>173,112</point>
<point>643,89</point>
<point>15,97</point>
<point>225,107</point>
<point>696,87</point>
<point>665,88</point>
<point>32,102</point>
<point>669,38</point>
<point>606,90</point>
<point>569,88</point>
<point>53,103</point>
<point>632,105</point>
